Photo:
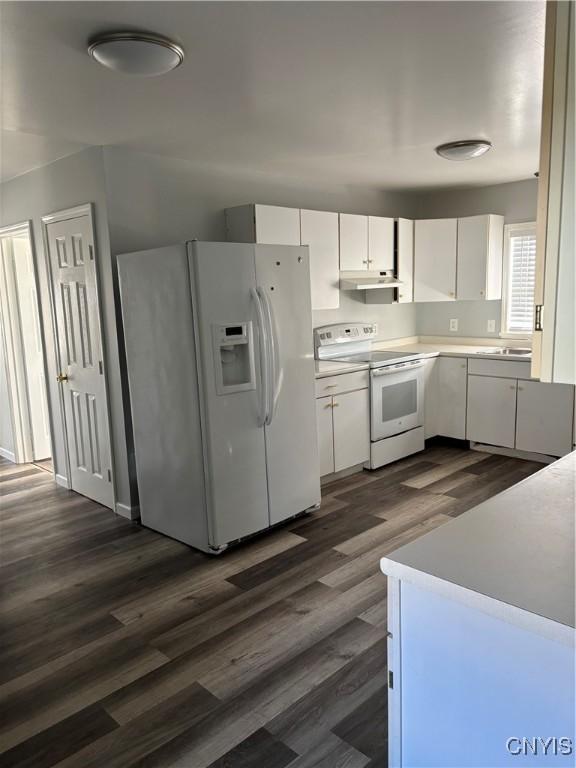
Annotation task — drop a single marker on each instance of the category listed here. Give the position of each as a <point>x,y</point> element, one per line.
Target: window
<point>519,277</point>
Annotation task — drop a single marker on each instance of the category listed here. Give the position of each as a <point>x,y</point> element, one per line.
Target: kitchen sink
<point>507,351</point>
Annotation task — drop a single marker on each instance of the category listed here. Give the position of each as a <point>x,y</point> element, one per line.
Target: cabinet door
<point>405,251</point>
<point>472,257</point>
<point>276,225</point>
<point>325,434</point>
<point>319,230</point>
<point>351,416</point>
<point>544,417</point>
<point>430,381</point>
<point>452,375</point>
<point>435,260</point>
<point>491,412</point>
<point>353,242</point>
<point>380,243</point>
<point>479,272</point>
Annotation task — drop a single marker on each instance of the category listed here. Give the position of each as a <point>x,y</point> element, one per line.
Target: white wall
<point>68,182</point>
<point>155,201</point>
<point>517,203</point>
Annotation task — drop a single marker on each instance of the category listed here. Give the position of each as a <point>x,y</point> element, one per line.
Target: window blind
<point>521,278</point>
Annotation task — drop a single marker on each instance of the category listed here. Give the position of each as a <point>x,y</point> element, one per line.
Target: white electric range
<point>396,388</point>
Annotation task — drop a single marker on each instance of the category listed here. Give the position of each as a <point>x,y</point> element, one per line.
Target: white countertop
<point>332,368</point>
<point>516,551</point>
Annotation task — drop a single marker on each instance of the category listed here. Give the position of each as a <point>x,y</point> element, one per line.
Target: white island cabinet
<point>481,647</point>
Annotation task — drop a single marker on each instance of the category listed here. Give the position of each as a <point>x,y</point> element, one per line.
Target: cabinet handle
<point>481,293</point>
<point>328,405</point>
<point>330,386</point>
<point>364,261</point>
<point>335,405</point>
<point>520,389</point>
<point>463,365</point>
<point>512,386</point>
<point>451,293</point>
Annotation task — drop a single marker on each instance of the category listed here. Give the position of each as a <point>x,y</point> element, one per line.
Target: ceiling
<point>346,92</point>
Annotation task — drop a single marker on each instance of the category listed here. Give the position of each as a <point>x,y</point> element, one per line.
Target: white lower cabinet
<point>492,411</point>
<point>544,423</point>
<point>351,418</point>
<point>343,425</point>
<point>452,375</point>
<point>445,386</point>
<point>325,434</point>
<point>431,394</point>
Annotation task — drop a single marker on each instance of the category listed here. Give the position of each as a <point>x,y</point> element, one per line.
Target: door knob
<point>62,377</point>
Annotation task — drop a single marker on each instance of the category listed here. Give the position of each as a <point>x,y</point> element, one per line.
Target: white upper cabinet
<point>353,242</point>
<point>266,224</point>
<point>435,243</point>
<point>479,260</point>
<point>405,252</point>
<point>366,243</point>
<point>380,243</point>
<point>319,230</point>
<point>276,225</point>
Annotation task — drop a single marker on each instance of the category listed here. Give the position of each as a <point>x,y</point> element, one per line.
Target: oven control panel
<point>343,333</point>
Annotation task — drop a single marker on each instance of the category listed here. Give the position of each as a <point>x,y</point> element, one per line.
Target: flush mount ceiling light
<point>463,150</point>
<point>136,53</point>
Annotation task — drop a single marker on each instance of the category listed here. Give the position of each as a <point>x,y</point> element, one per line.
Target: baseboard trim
<point>130,513</point>
<point>10,455</point>
<point>341,474</point>
<point>513,453</point>
<point>62,481</point>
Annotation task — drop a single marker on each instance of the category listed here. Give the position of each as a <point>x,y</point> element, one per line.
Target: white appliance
<point>221,378</point>
<point>396,388</point>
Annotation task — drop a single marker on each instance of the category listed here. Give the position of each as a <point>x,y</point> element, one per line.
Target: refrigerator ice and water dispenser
<point>234,358</point>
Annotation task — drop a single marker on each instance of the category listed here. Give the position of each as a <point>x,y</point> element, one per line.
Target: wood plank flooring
<point>121,647</point>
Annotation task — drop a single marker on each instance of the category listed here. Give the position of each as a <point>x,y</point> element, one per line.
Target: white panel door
<point>325,435</point>
<point>491,413</point>
<point>435,259</point>
<point>75,295</point>
<point>291,439</point>
<point>32,342</point>
<point>380,243</point>
<point>276,225</point>
<point>405,249</point>
<point>223,277</point>
<point>351,417</point>
<point>544,417</point>
<point>452,373</point>
<point>353,242</point>
<point>319,230</point>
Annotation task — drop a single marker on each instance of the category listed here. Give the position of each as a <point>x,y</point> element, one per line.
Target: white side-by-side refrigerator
<point>218,341</point>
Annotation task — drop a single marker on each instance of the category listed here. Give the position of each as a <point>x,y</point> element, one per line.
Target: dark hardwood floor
<point>120,647</point>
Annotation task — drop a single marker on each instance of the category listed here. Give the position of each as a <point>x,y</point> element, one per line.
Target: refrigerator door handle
<point>276,372</point>
<point>264,357</point>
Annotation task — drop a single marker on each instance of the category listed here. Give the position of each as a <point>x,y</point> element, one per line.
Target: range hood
<point>352,281</point>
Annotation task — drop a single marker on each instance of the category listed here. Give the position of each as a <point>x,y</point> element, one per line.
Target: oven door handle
<point>389,371</point>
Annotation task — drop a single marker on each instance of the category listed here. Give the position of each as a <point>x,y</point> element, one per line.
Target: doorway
<point>25,423</point>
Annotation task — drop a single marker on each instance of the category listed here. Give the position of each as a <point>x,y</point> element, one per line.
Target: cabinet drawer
<point>507,369</point>
<point>343,382</point>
